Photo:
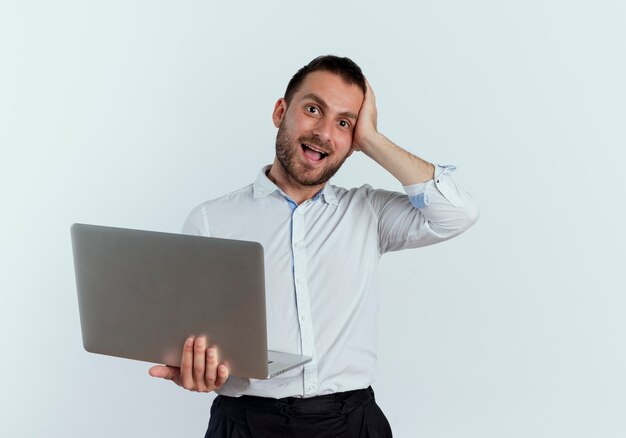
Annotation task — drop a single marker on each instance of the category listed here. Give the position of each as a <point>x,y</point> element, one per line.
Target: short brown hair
<point>344,67</point>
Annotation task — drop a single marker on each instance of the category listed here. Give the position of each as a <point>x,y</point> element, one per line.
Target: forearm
<point>404,166</point>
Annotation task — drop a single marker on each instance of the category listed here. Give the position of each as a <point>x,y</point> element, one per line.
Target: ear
<point>280,108</point>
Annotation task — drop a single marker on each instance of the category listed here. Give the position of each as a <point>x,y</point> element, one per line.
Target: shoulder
<point>363,193</point>
<point>354,199</point>
<point>377,201</point>
<point>239,195</point>
<point>197,221</point>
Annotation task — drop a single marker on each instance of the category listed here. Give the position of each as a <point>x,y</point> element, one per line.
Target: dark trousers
<point>352,414</point>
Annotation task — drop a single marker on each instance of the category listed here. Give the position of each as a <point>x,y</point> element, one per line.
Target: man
<point>322,246</point>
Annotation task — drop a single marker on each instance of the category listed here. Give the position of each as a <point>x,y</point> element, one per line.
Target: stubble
<point>287,150</point>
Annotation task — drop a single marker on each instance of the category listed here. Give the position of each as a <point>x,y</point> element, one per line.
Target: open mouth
<point>312,153</point>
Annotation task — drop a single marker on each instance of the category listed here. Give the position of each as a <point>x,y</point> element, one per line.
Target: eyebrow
<point>323,104</point>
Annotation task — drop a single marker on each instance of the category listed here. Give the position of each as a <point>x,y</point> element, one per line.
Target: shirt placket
<point>303,302</point>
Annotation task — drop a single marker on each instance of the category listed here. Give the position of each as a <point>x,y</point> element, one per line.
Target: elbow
<point>459,221</point>
<point>471,215</point>
<point>468,217</point>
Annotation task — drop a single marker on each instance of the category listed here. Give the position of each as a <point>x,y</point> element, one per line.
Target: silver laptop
<point>142,293</point>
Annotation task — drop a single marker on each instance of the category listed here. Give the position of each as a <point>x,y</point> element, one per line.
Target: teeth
<point>316,150</point>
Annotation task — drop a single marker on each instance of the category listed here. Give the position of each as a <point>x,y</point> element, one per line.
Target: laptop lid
<point>142,293</point>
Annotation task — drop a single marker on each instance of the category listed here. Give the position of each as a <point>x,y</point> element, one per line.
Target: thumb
<point>164,372</point>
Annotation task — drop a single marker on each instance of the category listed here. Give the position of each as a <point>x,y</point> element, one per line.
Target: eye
<point>344,123</point>
<point>312,109</point>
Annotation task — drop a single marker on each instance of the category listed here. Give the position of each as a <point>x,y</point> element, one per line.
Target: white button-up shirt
<point>321,260</point>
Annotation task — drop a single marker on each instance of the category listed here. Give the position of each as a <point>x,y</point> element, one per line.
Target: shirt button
<point>299,281</point>
<point>302,318</point>
<point>311,388</point>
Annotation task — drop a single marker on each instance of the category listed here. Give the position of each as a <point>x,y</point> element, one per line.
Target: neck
<point>296,191</point>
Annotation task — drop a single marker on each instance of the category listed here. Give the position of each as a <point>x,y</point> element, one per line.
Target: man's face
<point>315,130</point>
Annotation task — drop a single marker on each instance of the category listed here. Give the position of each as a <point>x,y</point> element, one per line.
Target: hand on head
<point>199,369</point>
<point>366,127</point>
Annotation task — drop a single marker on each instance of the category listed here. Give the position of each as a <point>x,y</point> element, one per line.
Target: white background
<point>130,113</point>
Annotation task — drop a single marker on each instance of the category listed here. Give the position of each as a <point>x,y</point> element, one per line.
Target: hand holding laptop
<point>199,369</point>
<point>141,293</point>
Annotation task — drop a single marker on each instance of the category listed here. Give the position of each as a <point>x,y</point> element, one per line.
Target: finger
<point>370,92</point>
<point>210,373</point>
<point>186,364</point>
<point>369,87</point>
<point>199,363</point>
<point>164,372</point>
<point>371,111</point>
<point>222,375</point>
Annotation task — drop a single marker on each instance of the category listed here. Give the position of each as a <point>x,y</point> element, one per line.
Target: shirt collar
<point>263,186</point>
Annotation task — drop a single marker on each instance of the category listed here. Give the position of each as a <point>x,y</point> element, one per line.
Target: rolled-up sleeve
<point>430,212</point>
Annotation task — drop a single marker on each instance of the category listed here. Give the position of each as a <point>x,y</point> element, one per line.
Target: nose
<point>323,129</point>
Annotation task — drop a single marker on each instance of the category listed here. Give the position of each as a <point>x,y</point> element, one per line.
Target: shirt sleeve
<point>428,213</point>
<point>197,223</point>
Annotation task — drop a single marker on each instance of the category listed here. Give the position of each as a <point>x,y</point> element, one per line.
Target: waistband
<point>341,403</point>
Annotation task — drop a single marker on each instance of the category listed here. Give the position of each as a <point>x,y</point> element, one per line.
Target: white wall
<point>130,113</point>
